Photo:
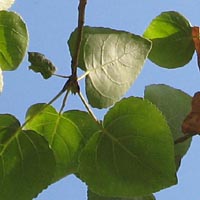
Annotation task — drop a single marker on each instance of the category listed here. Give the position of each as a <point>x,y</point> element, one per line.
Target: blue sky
<point>50,24</point>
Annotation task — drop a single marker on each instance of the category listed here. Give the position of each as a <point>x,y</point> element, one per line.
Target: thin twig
<point>184,138</point>
<point>87,107</point>
<point>61,76</point>
<point>81,19</point>
<point>64,101</point>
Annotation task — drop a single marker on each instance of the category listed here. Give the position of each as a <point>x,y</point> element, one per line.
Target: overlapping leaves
<point>171,36</point>
<point>66,133</point>
<point>122,160</point>
<point>27,163</point>
<point>175,105</point>
<point>112,60</point>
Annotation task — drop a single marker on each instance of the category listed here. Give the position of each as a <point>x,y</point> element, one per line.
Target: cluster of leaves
<point>131,152</point>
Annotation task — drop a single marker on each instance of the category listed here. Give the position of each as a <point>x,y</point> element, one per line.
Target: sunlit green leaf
<point>5,4</point>
<point>39,63</point>
<point>171,37</point>
<point>66,133</point>
<point>175,105</point>
<point>27,164</point>
<point>133,154</point>
<point>1,80</point>
<point>13,39</point>
<point>112,59</point>
<point>93,196</point>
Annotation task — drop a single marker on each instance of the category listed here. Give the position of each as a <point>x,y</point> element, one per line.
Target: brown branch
<point>81,19</point>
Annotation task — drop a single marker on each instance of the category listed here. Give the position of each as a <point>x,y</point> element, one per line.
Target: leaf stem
<point>81,18</point>
<point>64,101</point>
<point>183,138</point>
<point>61,76</point>
<point>87,107</point>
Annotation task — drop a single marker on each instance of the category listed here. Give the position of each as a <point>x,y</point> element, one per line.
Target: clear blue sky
<point>50,24</point>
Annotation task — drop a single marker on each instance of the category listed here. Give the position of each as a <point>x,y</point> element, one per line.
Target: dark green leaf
<point>133,154</point>
<point>39,63</point>
<point>66,133</point>
<point>27,164</point>
<point>175,105</point>
<point>93,196</point>
<point>171,37</point>
<point>112,59</point>
<point>13,39</point>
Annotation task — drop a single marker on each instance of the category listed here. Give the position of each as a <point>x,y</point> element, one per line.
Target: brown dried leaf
<point>191,124</point>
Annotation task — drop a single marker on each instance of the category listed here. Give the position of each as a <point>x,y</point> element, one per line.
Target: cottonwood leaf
<point>175,105</point>
<point>5,4</point>
<point>39,63</point>
<point>66,133</point>
<point>133,154</point>
<point>112,59</point>
<point>1,80</point>
<point>13,39</point>
<point>171,36</point>
<point>93,196</point>
<point>27,163</point>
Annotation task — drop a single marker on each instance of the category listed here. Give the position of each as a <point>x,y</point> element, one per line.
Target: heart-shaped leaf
<point>14,40</point>
<point>112,59</point>
<point>39,63</point>
<point>171,36</point>
<point>133,154</point>
<point>27,164</point>
<point>175,105</point>
<point>66,133</point>
<point>93,196</point>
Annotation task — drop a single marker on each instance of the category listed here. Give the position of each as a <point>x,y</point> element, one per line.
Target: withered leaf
<point>191,124</point>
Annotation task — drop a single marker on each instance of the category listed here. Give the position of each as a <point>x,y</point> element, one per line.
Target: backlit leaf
<point>133,154</point>
<point>171,37</point>
<point>39,63</point>
<point>113,59</point>
<point>175,105</point>
<point>13,39</point>
<point>27,164</point>
<point>66,133</point>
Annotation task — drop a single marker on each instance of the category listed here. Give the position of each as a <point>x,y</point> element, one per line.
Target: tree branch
<point>81,19</point>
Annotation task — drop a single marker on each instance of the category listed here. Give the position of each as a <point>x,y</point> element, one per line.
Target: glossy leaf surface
<point>27,164</point>
<point>112,59</point>
<point>13,39</point>
<point>171,36</point>
<point>39,63</point>
<point>66,133</point>
<point>175,105</point>
<point>133,155</point>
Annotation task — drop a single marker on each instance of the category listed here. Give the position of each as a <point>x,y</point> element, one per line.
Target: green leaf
<point>1,81</point>
<point>171,37</point>
<point>27,163</point>
<point>93,196</point>
<point>133,155</point>
<point>112,60</point>
<point>66,133</point>
<point>175,105</point>
<point>39,63</point>
<point>13,39</point>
